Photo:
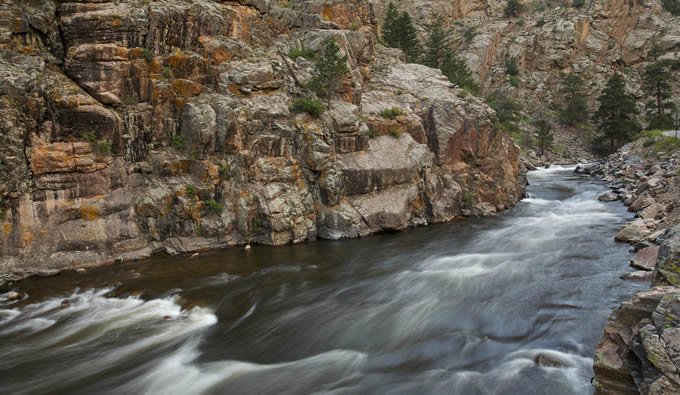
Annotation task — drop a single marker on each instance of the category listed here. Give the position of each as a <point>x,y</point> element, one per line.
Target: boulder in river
<point>608,197</point>
<point>640,275</point>
<point>633,232</point>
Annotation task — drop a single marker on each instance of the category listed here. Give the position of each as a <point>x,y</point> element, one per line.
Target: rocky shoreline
<point>640,348</point>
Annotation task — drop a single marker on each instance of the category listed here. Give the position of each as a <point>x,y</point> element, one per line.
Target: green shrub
<point>371,132</point>
<point>672,6</point>
<point>215,207</point>
<point>99,146</point>
<point>295,53</point>
<point>198,230</point>
<point>146,55</point>
<point>391,113</point>
<point>394,132</point>
<point>193,154</point>
<point>177,141</point>
<point>468,199</point>
<point>3,213</point>
<point>167,72</point>
<point>578,3</point>
<point>309,105</point>
<point>514,81</point>
<point>513,8</point>
<point>540,22</point>
<point>224,171</point>
<point>511,67</point>
<point>190,190</point>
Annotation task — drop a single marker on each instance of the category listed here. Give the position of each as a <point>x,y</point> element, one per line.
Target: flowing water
<point>512,304</point>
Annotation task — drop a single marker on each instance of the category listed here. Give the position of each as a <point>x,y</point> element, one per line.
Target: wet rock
<point>608,197</point>
<point>645,259</point>
<point>667,271</point>
<point>641,275</point>
<point>633,232</point>
<point>47,272</point>
<point>548,361</point>
<point>12,296</point>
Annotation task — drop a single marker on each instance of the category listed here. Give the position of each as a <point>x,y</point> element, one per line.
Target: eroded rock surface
<point>134,127</point>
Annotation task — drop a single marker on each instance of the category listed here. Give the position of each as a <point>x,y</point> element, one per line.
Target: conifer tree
<point>390,30</point>
<point>458,72</point>
<point>437,43</point>
<point>545,136</point>
<point>657,88</point>
<point>408,37</point>
<point>616,116</point>
<point>576,109</point>
<point>513,8</point>
<point>330,67</point>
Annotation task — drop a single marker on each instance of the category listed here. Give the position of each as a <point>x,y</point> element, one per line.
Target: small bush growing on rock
<point>391,113</point>
<point>224,171</point>
<point>167,72</point>
<point>578,3</point>
<point>177,141</point>
<point>371,132</point>
<point>193,154</point>
<point>394,132</point>
<point>146,55</point>
<point>190,190</point>
<point>198,230</point>
<point>295,53</point>
<point>309,105</point>
<point>99,146</point>
<point>540,22</point>
<point>511,67</point>
<point>513,8</point>
<point>468,199</point>
<point>514,81</point>
<point>3,213</point>
<point>672,6</point>
<point>215,207</point>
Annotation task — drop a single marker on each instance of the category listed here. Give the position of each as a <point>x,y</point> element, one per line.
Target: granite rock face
<point>134,127</point>
<point>639,350</point>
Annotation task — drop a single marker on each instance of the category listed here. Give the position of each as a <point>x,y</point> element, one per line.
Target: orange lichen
<point>89,213</point>
<point>26,239</point>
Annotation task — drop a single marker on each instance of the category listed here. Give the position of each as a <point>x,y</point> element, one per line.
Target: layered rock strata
<point>134,127</point>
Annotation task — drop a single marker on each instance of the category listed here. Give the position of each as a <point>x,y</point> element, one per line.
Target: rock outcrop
<point>548,39</point>
<point>134,127</point>
<point>638,352</point>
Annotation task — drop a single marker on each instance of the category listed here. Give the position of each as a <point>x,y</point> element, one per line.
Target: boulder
<point>645,259</point>
<point>667,271</point>
<point>633,232</point>
<point>608,197</point>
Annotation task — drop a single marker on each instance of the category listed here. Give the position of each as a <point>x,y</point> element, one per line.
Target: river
<point>511,304</point>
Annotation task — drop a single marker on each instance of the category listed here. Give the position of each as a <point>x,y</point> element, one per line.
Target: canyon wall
<point>134,127</point>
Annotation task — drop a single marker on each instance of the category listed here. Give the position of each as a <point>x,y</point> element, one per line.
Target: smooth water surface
<point>512,304</point>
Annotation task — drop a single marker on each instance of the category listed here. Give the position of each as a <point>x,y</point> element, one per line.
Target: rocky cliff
<point>134,127</point>
<point>550,38</point>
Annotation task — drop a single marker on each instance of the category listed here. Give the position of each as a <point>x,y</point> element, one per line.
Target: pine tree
<point>330,67</point>
<point>513,8</point>
<point>576,108</point>
<point>657,88</point>
<point>672,6</point>
<point>437,43</point>
<point>616,116</point>
<point>408,37</point>
<point>545,136</point>
<point>458,72</point>
<point>390,30</point>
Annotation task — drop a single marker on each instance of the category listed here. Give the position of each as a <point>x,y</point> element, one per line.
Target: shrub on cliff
<point>545,136</point>
<point>309,105</point>
<point>331,67</point>
<point>214,207</point>
<point>391,113</point>
<point>672,6</point>
<point>458,72</point>
<point>513,8</point>
<point>400,32</point>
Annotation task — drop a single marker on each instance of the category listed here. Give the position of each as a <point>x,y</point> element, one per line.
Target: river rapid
<point>511,304</point>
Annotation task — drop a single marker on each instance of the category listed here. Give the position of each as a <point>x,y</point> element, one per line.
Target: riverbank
<point>640,348</point>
